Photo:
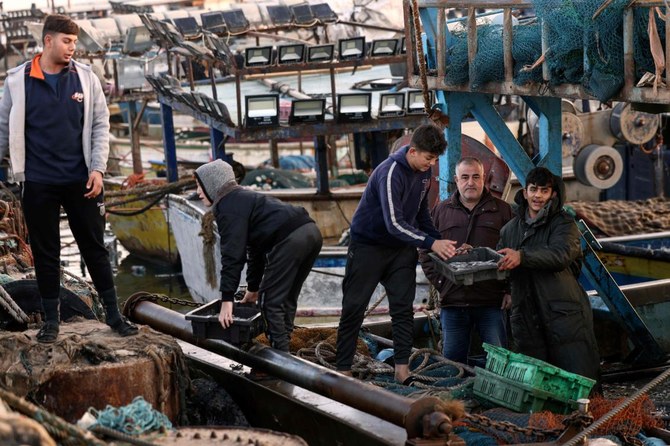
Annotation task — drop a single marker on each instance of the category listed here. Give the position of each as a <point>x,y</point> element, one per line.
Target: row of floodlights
<point>234,20</point>
<point>263,110</point>
<point>348,49</point>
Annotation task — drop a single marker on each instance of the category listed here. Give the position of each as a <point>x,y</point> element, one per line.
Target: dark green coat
<point>551,318</point>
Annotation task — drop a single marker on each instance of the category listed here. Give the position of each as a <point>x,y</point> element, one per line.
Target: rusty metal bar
<point>628,48</point>
<point>238,97</point>
<point>367,26</point>
<point>507,44</point>
<point>307,66</point>
<point>667,47</point>
<point>441,51</point>
<point>472,43</point>
<point>545,47</point>
<point>333,91</point>
<point>567,91</point>
<point>490,4</point>
<point>396,409</point>
<point>409,37</point>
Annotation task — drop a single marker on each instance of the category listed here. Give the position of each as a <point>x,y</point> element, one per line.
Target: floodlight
<point>258,56</point>
<point>415,104</point>
<point>235,20</point>
<point>187,26</point>
<point>280,14</point>
<point>216,44</point>
<point>320,53</point>
<point>403,46</point>
<point>213,22</point>
<point>262,110</point>
<point>391,105</point>
<point>149,22</point>
<point>290,53</point>
<point>353,48</point>
<point>138,40</point>
<point>201,102</point>
<point>302,13</point>
<point>323,12</point>
<point>89,39</point>
<point>307,111</point>
<point>384,47</point>
<point>352,107</point>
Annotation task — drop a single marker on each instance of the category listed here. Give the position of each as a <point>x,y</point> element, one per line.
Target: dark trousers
<point>286,268</point>
<point>367,266</point>
<point>41,207</point>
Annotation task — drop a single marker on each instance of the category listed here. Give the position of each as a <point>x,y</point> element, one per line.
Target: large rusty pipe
<point>396,409</point>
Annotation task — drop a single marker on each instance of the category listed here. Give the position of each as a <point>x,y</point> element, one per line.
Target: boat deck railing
<point>436,75</point>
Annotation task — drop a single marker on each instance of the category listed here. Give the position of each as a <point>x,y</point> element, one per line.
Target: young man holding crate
<point>390,223</point>
<point>473,218</point>
<point>551,318</point>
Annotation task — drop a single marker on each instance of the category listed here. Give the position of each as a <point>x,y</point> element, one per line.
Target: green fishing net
<point>581,49</point>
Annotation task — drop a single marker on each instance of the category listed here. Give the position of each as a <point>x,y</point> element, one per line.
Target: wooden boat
<point>637,258</point>
<point>141,228</point>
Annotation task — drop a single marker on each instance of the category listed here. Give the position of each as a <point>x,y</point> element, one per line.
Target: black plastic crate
<point>456,270</point>
<point>247,323</point>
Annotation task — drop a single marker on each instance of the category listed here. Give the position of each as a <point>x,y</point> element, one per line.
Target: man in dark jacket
<point>551,318</point>
<point>279,243</point>
<point>390,223</point>
<point>473,218</point>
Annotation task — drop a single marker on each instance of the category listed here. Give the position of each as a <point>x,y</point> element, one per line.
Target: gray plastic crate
<point>456,269</point>
<point>247,323</point>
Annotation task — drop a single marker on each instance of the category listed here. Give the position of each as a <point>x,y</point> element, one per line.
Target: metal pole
<point>417,416</point>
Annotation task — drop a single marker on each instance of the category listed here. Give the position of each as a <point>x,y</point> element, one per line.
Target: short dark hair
<point>541,176</point>
<point>58,23</point>
<point>429,138</point>
<point>470,160</point>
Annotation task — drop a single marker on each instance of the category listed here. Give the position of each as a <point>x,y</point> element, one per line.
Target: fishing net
<point>618,217</point>
<point>585,46</point>
<point>33,370</point>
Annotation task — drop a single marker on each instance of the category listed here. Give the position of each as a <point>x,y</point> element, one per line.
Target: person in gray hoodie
<point>278,242</point>
<point>54,123</point>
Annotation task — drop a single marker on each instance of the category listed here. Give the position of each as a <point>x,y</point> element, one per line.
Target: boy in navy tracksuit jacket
<point>390,223</point>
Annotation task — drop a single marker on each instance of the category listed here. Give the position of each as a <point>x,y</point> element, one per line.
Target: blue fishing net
<point>526,49</point>
<point>581,49</point>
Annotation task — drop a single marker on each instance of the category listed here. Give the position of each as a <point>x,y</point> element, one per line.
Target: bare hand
<point>444,248</point>
<point>94,184</point>
<point>463,249</point>
<point>226,314</point>
<point>506,302</point>
<point>250,297</point>
<point>511,259</point>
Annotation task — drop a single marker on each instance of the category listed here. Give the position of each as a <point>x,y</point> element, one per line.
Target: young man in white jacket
<point>54,123</point>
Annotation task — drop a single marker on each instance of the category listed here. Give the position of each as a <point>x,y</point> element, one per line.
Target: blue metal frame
<point>548,109</point>
<point>647,348</point>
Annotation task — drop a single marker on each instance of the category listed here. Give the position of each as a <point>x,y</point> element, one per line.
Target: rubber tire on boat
<point>27,296</point>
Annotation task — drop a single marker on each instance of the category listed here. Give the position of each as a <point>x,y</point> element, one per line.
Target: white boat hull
<point>321,293</point>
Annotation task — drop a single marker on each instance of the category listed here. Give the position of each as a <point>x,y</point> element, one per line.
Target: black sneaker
<point>125,328</point>
<point>48,333</point>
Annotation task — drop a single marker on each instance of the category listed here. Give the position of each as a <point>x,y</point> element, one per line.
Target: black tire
<point>27,296</point>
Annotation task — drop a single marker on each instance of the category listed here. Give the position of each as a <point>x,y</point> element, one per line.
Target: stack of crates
<point>526,384</point>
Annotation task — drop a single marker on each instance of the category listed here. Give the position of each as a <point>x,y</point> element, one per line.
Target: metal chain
<point>172,300</point>
<point>132,301</point>
<point>574,419</point>
<point>506,426</point>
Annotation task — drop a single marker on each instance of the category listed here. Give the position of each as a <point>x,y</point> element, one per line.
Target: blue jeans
<point>457,326</point>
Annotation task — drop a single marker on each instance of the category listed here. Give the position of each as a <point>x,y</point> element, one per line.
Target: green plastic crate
<point>517,396</point>
<point>537,374</point>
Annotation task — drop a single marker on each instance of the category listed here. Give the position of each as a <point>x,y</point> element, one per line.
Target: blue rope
<point>136,418</point>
